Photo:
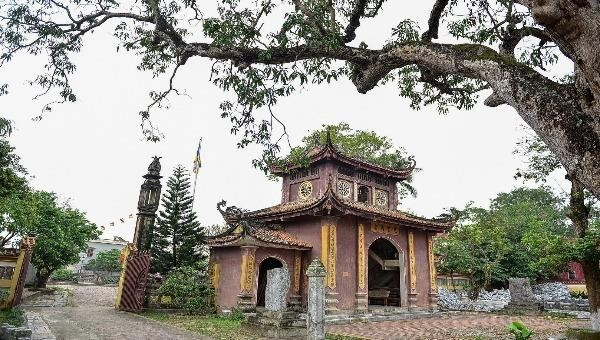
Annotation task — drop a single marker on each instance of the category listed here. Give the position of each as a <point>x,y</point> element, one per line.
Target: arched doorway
<point>267,264</point>
<point>385,274</point>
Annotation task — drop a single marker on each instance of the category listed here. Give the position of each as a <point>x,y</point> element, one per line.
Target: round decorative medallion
<point>381,197</point>
<point>343,188</point>
<point>305,190</point>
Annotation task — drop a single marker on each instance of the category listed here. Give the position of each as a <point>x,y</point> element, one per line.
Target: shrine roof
<point>331,202</point>
<point>247,231</point>
<point>329,151</point>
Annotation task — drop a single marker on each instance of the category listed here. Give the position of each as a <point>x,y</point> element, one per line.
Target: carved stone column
<point>412,293</point>
<point>245,302</point>
<point>316,301</point>
<point>148,202</point>
<point>362,296</point>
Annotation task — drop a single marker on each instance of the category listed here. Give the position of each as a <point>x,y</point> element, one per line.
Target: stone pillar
<point>433,296</point>
<point>295,298</point>
<point>245,303</point>
<point>147,206</point>
<point>315,320</point>
<point>412,294</point>
<point>361,295</point>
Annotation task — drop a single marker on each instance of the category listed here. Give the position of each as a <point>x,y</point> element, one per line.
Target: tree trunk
<point>41,278</point>
<point>579,214</point>
<point>591,270</point>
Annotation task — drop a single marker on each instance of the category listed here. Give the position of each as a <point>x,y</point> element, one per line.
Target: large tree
<point>178,238</point>
<point>62,233</point>
<point>266,49</point>
<point>583,213</point>
<point>522,234</point>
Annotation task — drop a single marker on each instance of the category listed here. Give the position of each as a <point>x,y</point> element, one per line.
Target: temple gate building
<point>342,210</point>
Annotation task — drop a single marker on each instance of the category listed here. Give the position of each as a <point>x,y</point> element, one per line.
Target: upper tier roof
<point>329,151</point>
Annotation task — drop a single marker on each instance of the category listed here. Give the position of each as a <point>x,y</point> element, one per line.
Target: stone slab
<point>278,285</point>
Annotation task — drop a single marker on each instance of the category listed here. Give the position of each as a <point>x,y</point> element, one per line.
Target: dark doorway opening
<point>267,264</point>
<point>384,274</point>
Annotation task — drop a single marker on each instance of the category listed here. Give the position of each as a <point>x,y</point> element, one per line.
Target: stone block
<point>278,285</point>
<point>520,290</point>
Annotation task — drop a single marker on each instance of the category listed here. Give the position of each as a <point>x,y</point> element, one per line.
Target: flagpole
<point>196,171</point>
<point>194,191</point>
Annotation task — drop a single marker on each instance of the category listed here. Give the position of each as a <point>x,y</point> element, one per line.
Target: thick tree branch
<point>358,11</point>
<point>434,20</point>
<point>514,36</point>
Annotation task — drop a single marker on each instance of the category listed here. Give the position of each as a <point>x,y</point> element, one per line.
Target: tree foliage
<point>188,288</point>
<point>17,209</point>
<point>265,50</point>
<point>523,234</point>
<point>105,261</point>
<point>178,237</point>
<point>61,231</point>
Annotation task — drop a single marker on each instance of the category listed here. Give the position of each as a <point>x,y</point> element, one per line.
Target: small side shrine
<point>342,210</point>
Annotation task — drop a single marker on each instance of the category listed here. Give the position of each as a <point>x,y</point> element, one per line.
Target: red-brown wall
<point>230,260</point>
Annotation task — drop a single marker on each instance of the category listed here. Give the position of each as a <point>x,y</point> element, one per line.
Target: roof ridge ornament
<point>328,141</point>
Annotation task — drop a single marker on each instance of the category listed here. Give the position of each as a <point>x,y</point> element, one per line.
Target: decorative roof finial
<point>154,167</point>
<point>328,141</point>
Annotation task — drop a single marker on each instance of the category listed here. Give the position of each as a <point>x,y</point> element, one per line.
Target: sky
<point>92,152</point>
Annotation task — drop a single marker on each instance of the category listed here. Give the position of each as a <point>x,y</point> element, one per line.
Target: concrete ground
<point>91,315</point>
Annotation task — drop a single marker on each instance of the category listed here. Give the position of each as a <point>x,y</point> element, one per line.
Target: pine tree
<point>178,237</point>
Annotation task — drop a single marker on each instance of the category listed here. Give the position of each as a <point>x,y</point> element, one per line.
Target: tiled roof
<point>442,223</point>
<point>279,236</point>
<point>262,233</point>
<point>398,216</point>
<point>285,207</point>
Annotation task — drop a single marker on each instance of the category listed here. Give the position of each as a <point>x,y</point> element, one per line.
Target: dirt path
<point>92,316</point>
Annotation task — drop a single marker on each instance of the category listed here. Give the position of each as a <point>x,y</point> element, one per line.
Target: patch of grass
<point>225,327</point>
<point>559,315</point>
<point>12,316</point>
<point>583,334</point>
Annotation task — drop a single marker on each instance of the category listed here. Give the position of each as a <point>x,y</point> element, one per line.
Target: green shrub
<point>105,261</point>
<point>579,294</point>
<point>63,274</point>
<point>12,317</point>
<point>189,290</point>
<point>519,330</point>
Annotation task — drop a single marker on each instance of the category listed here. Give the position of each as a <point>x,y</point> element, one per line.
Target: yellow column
<point>324,244</point>
<point>331,261</point>
<point>432,273</point>
<point>361,257</point>
<point>243,272</point>
<point>411,257</point>
<point>216,274</point>
<point>297,270</point>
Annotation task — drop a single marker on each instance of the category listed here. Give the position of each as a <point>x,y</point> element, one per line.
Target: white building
<point>95,247</point>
